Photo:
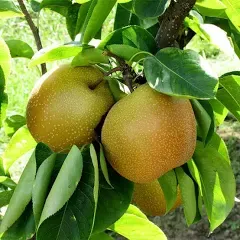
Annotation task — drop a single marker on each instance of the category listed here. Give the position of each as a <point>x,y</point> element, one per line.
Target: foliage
<point>77,195</point>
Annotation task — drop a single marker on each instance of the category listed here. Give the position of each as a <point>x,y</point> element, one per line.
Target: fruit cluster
<point>144,135</point>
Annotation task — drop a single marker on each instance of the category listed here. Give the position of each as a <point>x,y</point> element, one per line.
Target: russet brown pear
<point>149,197</point>
<point>66,105</point>
<point>147,133</point>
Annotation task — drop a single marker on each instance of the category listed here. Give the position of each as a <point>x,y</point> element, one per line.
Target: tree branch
<point>171,22</point>
<point>34,30</point>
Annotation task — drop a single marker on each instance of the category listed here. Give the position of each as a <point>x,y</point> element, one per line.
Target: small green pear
<point>66,105</point>
<point>147,133</point>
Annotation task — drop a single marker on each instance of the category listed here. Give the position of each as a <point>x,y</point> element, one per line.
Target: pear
<point>66,105</point>
<point>149,197</point>
<point>148,133</point>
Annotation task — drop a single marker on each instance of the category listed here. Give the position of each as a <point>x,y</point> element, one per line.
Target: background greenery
<point>22,79</point>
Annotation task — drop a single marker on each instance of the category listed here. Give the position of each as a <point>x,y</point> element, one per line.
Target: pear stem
<point>128,73</point>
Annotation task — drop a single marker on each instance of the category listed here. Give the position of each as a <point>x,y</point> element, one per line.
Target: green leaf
<point>211,8</point>
<point>75,220</point>
<point>187,189</point>
<point>168,184</point>
<point>7,182</point>
<point>98,15</point>
<point>19,48</point>
<point>59,6</point>
<point>41,185</point>
<point>5,61</point>
<point>21,196</point>
<point>102,236</point>
<point>127,52</point>
<point>64,185</point>
<point>82,14</point>
<point>9,10</point>
<point>150,9</point>
<point>217,179</point>
<point>220,112</point>
<point>218,143</point>
<point>122,18</point>
<point>103,165</point>
<point>5,197</point>
<point>21,143</point>
<point>233,11</point>
<point>172,70</point>
<point>202,117</point>
<point>23,228</point>
<point>118,89</point>
<point>71,19</point>
<point>228,94</point>
<point>134,227</point>
<point>112,202</point>
<point>136,211</point>
<point>133,36</point>
<point>208,108</point>
<point>90,56</point>
<point>12,123</point>
<point>55,53</point>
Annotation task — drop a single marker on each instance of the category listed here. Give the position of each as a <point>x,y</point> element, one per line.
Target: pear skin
<point>146,134</point>
<point>66,105</point>
<point>149,197</point>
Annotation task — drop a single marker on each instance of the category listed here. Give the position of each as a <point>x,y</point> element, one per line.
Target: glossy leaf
<point>112,202</point>
<point>90,56</point>
<point>172,70</point>
<point>71,19</point>
<point>19,48</point>
<point>75,220</point>
<point>56,5</point>
<point>64,185</point>
<point>134,227</point>
<point>103,165</point>
<point>41,185</point>
<point>93,24</point>
<point>187,189</point>
<point>23,228</point>
<point>7,182</point>
<point>228,94</point>
<point>12,123</point>
<point>5,197</point>
<point>150,9</point>
<point>55,53</point>
<point>212,8</point>
<point>168,184</point>
<point>203,119</point>
<point>218,183</point>
<point>21,143</point>
<point>218,143</point>
<point>133,36</point>
<point>136,211</point>
<point>9,10</point>
<point>126,52</point>
<point>82,14</point>
<point>23,192</point>
<point>118,89</point>
<point>122,18</point>
<point>220,112</point>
